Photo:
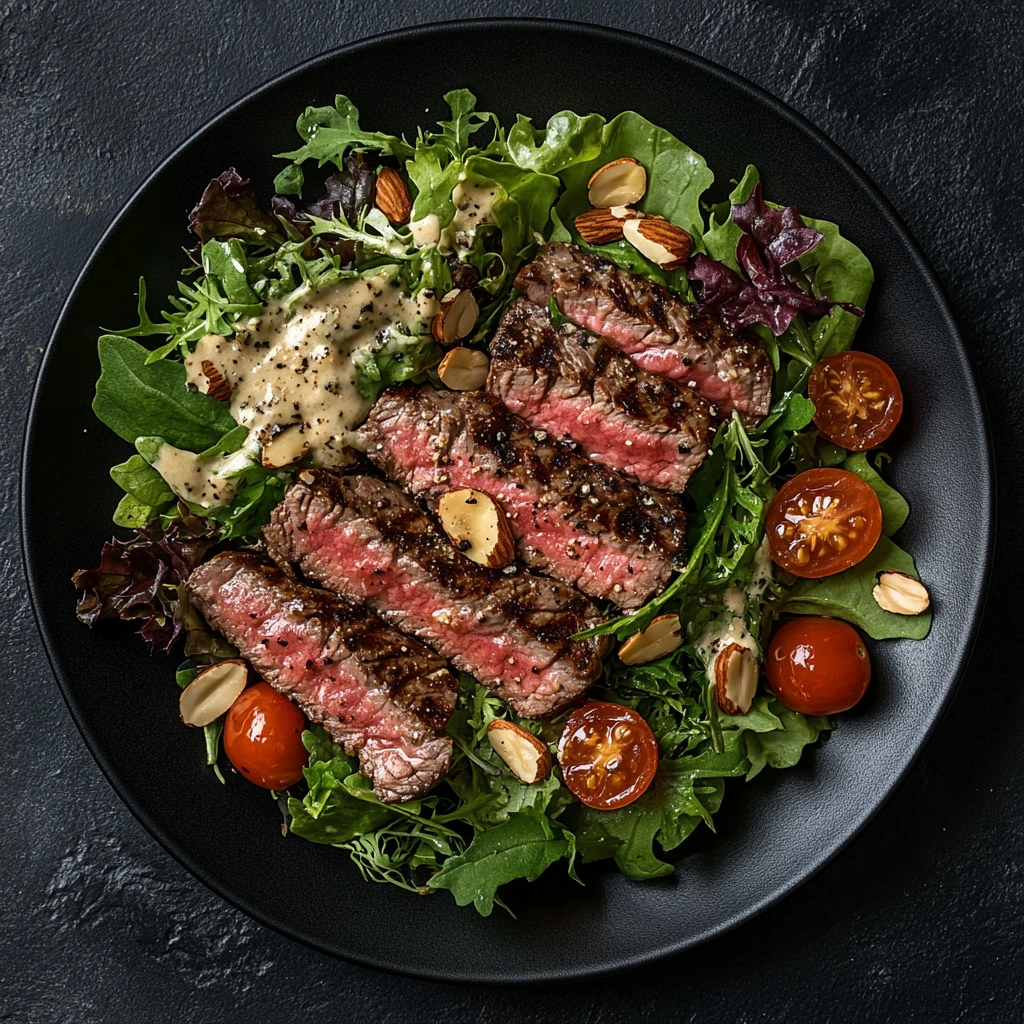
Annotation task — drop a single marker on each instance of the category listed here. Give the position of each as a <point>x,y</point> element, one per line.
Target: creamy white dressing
<point>426,231</point>
<point>200,481</point>
<point>293,366</point>
<point>474,205</point>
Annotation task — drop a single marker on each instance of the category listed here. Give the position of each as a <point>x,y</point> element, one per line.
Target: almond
<point>735,673</point>
<point>901,594</point>
<point>618,183</point>
<point>392,196</point>
<point>457,318</point>
<point>477,526</point>
<point>212,692</point>
<point>527,756</point>
<point>464,369</point>
<point>216,384</point>
<point>282,446</point>
<point>660,240</point>
<point>661,637</point>
<point>604,225</point>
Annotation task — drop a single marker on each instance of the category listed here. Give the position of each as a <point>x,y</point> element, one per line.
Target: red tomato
<point>608,755</point>
<point>857,399</point>
<point>818,666</point>
<point>823,521</point>
<point>263,737</point>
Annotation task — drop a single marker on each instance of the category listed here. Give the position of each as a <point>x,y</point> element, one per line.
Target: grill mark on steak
<point>572,518</point>
<point>367,540</point>
<point>576,386</point>
<point>659,332</point>
<point>384,697</point>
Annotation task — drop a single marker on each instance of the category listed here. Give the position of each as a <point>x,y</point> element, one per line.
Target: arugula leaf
<point>465,121</point>
<point>524,846</point>
<point>329,132</point>
<point>399,357</point>
<point>782,747</point>
<point>136,398</point>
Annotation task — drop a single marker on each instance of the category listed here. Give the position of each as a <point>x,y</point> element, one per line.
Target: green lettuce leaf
<point>524,846</point>
<point>136,398</point>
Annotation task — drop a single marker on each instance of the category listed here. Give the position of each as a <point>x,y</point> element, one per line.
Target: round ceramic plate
<point>772,833</point>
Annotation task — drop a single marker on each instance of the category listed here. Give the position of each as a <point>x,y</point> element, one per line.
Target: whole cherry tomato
<point>857,399</point>
<point>263,737</point>
<point>608,755</point>
<point>823,521</point>
<point>818,666</point>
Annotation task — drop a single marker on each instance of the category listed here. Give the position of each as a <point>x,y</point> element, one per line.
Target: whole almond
<point>601,226</point>
<point>392,196</point>
<point>661,241</point>
<point>617,183</point>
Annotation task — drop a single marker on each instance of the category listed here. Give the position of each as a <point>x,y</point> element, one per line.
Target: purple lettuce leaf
<point>140,580</point>
<point>229,209</point>
<point>770,240</point>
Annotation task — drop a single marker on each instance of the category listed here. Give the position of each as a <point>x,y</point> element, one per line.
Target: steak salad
<point>504,494</point>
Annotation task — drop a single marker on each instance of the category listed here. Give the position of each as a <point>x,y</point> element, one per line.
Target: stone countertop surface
<point>918,918</point>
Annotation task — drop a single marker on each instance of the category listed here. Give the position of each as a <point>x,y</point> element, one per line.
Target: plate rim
<point>986,474</point>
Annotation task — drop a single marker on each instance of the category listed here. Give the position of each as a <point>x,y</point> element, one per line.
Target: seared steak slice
<point>661,334</point>
<point>572,518</point>
<point>367,540</point>
<point>576,386</point>
<point>382,696</point>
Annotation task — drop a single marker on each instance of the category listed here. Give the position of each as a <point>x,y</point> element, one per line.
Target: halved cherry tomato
<point>263,737</point>
<point>857,399</point>
<point>823,521</point>
<point>608,755</point>
<point>818,666</point>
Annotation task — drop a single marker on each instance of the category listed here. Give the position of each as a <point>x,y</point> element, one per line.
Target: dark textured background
<point>918,919</point>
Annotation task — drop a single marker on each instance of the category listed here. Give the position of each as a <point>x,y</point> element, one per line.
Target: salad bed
<point>482,827</point>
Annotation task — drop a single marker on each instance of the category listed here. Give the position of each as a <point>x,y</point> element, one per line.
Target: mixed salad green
<point>482,828</point>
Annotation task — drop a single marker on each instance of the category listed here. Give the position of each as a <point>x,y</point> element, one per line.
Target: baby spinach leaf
<point>136,398</point>
<point>142,482</point>
<point>524,846</point>
<point>132,513</point>
<point>895,509</point>
<point>847,595</point>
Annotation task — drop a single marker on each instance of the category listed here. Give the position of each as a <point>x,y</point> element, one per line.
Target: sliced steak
<point>661,334</point>
<point>576,386</point>
<point>367,540</point>
<point>572,518</point>
<point>381,695</point>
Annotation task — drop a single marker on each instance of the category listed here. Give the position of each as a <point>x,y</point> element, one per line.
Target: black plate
<point>774,832</point>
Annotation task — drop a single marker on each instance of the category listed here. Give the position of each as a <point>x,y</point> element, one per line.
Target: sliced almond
<point>661,637</point>
<point>457,318</point>
<point>660,240</point>
<point>527,756</point>
<point>735,671</point>
<point>901,594</point>
<point>392,196</point>
<point>464,369</point>
<point>477,526</point>
<point>212,692</point>
<point>283,446</point>
<point>618,183</point>
<point>213,382</point>
<point>601,226</point>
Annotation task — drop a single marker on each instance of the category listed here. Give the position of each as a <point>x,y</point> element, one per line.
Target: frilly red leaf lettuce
<point>771,240</point>
<point>229,209</point>
<point>140,580</point>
